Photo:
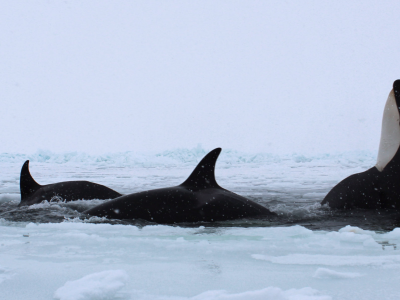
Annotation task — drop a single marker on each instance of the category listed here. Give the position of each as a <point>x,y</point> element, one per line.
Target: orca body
<point>33,193</point>
<point>378,187</point>
<point>198,199</point>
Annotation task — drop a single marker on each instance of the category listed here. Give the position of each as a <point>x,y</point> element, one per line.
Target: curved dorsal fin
<point>203,175</point>
<point>27,184</point>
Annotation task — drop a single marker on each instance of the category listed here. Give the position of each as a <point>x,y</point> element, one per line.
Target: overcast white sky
<point>276,76</point>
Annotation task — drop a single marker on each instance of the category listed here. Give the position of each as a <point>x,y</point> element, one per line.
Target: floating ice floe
<point>4,274</point>
<point>101,285</point>
<point>269,293</point>
<point>331,274</point>
<point>330,260</point>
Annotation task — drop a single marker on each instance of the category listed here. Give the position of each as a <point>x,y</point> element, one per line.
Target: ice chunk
<point>330,274</point>
<point>330,260</point>
<point>269,293</point>
<point>394,234</point>
<point>4,274</point>
<point>356,230</point>
<point>102,285</point>
<point>371,243</point>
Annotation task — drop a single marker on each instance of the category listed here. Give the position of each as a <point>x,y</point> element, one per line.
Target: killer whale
<point>199,198</point>
<point>379,186</point>
<point>33,193</point>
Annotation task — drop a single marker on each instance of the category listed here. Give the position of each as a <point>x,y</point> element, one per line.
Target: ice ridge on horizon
<point>183,156</point>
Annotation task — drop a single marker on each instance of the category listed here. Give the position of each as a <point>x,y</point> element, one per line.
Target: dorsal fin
<point>27,184</point>
<point>203,175</point>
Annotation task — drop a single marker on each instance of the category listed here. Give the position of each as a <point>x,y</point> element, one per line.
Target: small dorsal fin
<point>27,184</point>
<point>203,175</point>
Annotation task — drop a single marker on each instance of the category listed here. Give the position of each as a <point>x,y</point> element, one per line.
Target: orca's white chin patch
<point>390,135</point>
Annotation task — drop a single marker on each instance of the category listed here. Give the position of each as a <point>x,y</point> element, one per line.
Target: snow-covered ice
<point>331,274</point>
<point>101,285</point>
<point>76,260</point>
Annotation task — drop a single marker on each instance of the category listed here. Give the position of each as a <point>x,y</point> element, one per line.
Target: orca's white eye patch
<point>390,135</point>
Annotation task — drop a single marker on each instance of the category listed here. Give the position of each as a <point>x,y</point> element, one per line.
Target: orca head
<point>390,134</point>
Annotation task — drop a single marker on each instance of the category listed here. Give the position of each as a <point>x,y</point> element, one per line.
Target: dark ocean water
<point>290,211</point>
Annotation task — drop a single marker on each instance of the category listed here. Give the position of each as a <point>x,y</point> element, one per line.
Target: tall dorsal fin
<point>27,184</point>
<point>203,175</point>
